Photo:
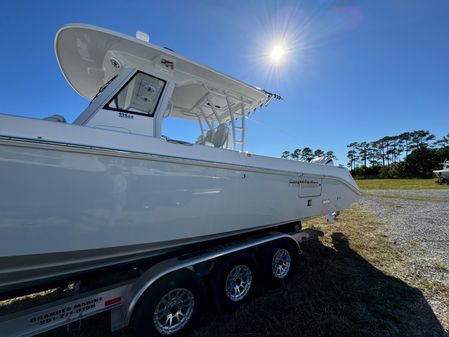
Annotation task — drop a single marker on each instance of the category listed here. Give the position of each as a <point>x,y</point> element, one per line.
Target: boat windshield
<point>139,96</point>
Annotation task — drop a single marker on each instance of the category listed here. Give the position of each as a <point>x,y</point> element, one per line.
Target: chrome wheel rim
<point>173,311</point>
<point>281,263</point>
<point>238,283</point>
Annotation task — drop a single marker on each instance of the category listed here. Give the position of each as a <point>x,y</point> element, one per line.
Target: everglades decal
<point>304,183</point>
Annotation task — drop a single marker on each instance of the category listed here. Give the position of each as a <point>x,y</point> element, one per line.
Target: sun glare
<point>277,53</point>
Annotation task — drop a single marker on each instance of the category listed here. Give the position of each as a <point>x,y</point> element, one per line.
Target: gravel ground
<point>419,226</point>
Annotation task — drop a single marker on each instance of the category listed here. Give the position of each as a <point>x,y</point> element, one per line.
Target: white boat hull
<point>442,174</point>
<point>67,209</point>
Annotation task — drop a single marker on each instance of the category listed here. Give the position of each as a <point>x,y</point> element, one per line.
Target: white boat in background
<point>110,188</point>
<point>443,174</point>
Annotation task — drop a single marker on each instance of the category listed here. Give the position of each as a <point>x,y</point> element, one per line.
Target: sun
<point>277,53</point>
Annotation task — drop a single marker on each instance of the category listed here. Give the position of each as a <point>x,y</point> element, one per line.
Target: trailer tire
<point>171,306</point>
<point>277,262</point>
<point>232,281</point>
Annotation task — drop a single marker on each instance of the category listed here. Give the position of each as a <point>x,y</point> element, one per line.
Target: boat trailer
<point>121,299</point>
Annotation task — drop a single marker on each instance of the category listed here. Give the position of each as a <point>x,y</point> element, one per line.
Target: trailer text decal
<point>66,312</point>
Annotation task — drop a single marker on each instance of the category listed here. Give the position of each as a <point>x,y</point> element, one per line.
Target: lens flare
<point>285,39</point>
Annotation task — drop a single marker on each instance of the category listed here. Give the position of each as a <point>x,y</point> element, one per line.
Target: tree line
<point>307,154</point>
<point>408,155</point>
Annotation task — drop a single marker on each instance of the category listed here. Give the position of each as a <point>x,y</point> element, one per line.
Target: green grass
<point>408,197</point>
<point>400,184</point>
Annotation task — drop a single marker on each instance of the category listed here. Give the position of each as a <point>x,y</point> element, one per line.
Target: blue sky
<point>354,70</point>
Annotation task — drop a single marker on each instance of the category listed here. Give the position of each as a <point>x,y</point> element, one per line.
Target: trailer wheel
<point>171,306</point>
<point>277,263</point>
<point>232,281</point>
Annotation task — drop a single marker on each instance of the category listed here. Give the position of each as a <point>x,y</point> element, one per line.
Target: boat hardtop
<point>90,57</point>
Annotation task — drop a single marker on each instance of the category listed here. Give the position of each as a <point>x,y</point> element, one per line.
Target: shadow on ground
<point>335,292</point>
